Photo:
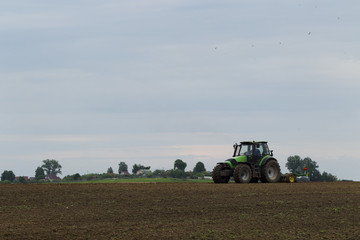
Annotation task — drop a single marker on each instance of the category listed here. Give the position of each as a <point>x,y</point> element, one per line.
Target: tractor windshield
<point>246,149</point>
<point>243,149</point>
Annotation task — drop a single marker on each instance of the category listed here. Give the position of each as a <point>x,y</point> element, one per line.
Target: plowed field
<point>180,211</point>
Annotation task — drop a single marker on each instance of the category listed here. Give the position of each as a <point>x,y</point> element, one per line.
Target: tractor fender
<point>224,164</point>
<point>229,163</point>
<point>266,159</point>
<point>232,162</point>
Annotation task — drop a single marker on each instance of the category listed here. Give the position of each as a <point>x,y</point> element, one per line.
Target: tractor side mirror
<point>271,153</point>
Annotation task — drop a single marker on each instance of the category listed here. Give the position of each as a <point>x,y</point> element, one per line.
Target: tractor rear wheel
<point>270,172</point>
<point>242,173</point>
<point>216,175</point>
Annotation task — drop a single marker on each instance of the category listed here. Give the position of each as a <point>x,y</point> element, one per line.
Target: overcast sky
<point>92,83</point>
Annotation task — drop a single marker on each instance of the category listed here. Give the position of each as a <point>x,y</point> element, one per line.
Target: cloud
<point>345,72</point>
<point>43,76</point>
<point>33,21</point>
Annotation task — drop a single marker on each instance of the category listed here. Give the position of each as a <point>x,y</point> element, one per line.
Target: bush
<point>93,176</point>
<point>5,182</point>
<point>199,175</point>
<point>159,173</point>
<point>90,176</point>
<point>20,180</point>
<point>106,175</point>
<point>328,177</point>
<point>74,177</point>
<point>77,176</point>
<point>40,177</point>
<point>177,173</point>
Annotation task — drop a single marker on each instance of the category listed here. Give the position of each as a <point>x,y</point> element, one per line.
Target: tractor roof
<point>251,142</point>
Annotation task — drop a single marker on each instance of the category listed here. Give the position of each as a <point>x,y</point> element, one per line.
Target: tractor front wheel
<point>216,175</point>
<point>270,172</point>
<point>242,173</point>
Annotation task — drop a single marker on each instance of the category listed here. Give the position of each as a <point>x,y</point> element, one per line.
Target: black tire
<point>270,173</point>
<point>216,175</point>
<point>242,173</point>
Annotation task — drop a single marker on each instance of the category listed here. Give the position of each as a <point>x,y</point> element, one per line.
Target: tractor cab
<point>253,150</point>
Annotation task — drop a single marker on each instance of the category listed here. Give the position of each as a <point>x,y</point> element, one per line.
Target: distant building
<point>143,172</point>
<point>25,177</point>
<point>51,177</point>
<point>125,173</point>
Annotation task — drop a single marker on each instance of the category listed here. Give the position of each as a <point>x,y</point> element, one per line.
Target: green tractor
<point>251,162</point>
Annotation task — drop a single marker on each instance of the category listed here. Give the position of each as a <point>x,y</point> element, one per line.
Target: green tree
<point>123,167</point>
<point>159,173</point>
<point>315,176</point>
<point>110,170</point>
<point>51,166</point>
<point>39,173</point>
<point>180,164</point>
<point>8,175</point>
<point>296,165</point>
<point>328,177</point>
<point>199,167</point>
<point>74,177</point>
<point>137,167</point>
<point>176,173</point>
<point>21,180</point>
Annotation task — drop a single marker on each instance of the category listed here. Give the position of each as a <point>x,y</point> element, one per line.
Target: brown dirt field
<point>180,211</point>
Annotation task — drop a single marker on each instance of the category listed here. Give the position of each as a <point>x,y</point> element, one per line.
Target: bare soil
<point>180,211</point>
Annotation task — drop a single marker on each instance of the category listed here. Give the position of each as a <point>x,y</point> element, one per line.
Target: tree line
<point>296,164</point>
<point>51,168</point>
<point>139,170</point>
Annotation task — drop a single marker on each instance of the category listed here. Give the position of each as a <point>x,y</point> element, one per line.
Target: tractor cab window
<point>261,149</point>
<point>258,149</point>
<point>246,149</point>
<point>266,150</point>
